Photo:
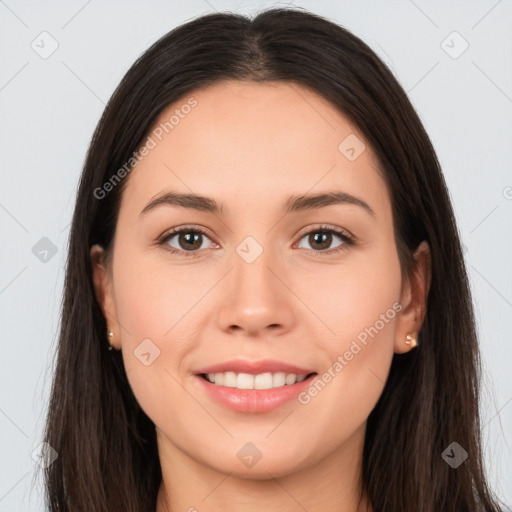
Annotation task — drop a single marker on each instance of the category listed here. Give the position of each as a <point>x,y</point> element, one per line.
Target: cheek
<point>367,304</point>
<point>352,298</point>
<point>154,308</point>
<point>155,301</point>
<point>363,316</point>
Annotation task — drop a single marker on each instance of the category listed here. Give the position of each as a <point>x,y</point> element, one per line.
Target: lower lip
<point>254,400</point>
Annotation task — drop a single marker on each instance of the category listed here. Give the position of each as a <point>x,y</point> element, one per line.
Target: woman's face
<point>267,291</point>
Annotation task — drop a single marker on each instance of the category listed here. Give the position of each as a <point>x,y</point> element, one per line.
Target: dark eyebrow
<point>293,204</point>
<point>312,201</point>
<point>194,201</point>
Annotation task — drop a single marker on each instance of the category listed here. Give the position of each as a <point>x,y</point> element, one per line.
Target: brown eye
<point>185,240</point>
<point>189,240</point>
<point>321,240</point>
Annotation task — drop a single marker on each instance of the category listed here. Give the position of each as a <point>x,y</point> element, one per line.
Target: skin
<point>250,146</point>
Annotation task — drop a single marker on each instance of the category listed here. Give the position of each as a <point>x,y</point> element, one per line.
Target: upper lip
<point>255,367</point>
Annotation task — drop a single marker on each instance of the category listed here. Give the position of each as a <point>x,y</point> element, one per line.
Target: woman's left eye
<point>323,237</point>
<point>189,241</point>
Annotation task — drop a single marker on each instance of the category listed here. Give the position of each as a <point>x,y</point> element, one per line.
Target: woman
<point>263,234</point>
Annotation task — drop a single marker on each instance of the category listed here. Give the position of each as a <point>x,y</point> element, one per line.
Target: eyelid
<point>326,227</point>
<point>184,227</point>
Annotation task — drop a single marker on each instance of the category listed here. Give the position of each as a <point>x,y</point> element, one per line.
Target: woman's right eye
<point>188,241</point>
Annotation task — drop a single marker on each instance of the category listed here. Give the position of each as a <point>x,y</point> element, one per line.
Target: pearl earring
<point>411,340</point>
<point>110,335</point>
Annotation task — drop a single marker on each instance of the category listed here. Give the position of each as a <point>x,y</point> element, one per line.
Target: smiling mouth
<point>261,381</point>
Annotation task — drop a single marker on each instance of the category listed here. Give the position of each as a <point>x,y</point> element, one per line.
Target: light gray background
<point>49,108</point>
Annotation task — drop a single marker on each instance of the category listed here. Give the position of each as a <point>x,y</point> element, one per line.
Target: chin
<point>276,465</point>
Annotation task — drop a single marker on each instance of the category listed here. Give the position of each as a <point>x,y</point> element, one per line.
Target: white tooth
<point>230,379</point>
<point>290,379</point>
<point>266,380</point>
<point>263,381</point>
<point>278,379</point>
<point>245,381</point>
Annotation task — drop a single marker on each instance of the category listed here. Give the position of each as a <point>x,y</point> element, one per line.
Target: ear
<point>102,280</point>
<point>413,299</point>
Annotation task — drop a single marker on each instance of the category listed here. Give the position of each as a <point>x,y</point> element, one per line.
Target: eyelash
<point>347,240</point>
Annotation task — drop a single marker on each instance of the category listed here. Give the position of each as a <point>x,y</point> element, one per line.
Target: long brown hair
<point>108,458</point>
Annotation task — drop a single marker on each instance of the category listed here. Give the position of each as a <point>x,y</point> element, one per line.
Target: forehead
<point>243,140</point>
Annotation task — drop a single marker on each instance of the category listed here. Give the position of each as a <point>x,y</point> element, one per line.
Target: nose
<point>257,301</point>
